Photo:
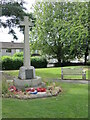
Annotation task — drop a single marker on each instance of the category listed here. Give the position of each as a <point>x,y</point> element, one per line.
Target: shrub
<point>7,63</point>
<point>19,54</point>
<point>11,63</point>
<point>14,63</point>
<point>17,63</point>
<point>88,63</point>
<point>39,62</point>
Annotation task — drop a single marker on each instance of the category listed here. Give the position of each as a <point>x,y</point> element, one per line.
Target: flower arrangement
<point>29,90</point>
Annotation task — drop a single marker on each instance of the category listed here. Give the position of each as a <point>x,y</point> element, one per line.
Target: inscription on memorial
<point>29,73</point>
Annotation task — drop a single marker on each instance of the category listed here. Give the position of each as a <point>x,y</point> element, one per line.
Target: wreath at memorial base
<point>31,93</point>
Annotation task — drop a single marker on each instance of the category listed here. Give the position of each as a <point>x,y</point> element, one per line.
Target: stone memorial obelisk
<point>27,72</point>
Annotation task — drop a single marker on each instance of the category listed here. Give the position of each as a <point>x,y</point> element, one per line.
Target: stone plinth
<point>27,82</point>
<point>26,73</point>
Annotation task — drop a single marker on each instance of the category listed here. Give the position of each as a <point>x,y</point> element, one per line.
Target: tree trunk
<point>59,61</point>
<point>86,54</point>
<point>85,61</point>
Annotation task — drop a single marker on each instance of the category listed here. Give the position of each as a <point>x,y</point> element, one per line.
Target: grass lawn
<point>51,73</point>
<point>71,103</point>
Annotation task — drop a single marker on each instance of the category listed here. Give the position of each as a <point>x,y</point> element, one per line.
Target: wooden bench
<point>73,71</point>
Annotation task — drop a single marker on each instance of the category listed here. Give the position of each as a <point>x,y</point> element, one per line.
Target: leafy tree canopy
<point>61,29</point>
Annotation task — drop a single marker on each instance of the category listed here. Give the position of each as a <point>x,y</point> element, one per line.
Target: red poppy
<point>41,89</point>
<point>12,88</point>
<point>30,90</point>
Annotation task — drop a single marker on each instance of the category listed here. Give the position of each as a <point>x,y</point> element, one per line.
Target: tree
<point>14,12</point>
<point>61,29</point>
<point>79,31</point>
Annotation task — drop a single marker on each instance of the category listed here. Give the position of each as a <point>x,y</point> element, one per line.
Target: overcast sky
<point>5,37</point>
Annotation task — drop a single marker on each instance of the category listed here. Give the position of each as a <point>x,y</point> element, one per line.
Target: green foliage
<point>4,87</point>
<point>18,54</point>
<point>7,63</point>
<point>88,63</point>
<point>11,63</point>
<point>15,62</point>
<point>14,11</point>
<point>39,62</point>
<point>61,29</point>
<point>10,8</point>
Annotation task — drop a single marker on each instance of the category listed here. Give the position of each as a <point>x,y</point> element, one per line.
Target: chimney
<point>12,41</point>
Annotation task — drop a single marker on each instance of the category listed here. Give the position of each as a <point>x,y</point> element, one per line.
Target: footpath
<point>72,81</point>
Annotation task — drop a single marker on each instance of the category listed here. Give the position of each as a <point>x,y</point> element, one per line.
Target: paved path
<point>72,81</point>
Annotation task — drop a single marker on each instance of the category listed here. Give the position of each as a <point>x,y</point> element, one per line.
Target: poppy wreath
<point>30,90</point>
<point>12,89</point>
<point>41,89</point>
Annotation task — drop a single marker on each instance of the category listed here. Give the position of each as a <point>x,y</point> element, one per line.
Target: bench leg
<point>84,76</point>
<point>61,77</point>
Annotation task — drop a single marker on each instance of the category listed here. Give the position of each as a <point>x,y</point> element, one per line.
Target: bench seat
<point>73,71</point>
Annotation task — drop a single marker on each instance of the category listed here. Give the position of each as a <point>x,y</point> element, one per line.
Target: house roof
<point>11,45</point>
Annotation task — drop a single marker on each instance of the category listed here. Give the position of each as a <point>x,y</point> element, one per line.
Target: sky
<point>5,37</point>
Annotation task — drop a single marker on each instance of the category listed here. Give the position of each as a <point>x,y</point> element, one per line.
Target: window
<point>8,50</point>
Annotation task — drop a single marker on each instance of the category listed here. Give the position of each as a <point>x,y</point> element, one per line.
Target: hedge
<point>18,54</point>
<point>11,63</point>
<point>14,63</point>
<point>70,64</point>
<point>39,62</point>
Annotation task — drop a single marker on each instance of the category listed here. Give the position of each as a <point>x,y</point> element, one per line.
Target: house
<point>10,48</point>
